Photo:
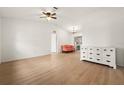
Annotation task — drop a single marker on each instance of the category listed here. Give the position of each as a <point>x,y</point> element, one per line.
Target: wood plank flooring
<point>58,69</point>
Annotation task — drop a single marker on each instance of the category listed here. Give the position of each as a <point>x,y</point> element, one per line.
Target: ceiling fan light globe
<point>49,18</point>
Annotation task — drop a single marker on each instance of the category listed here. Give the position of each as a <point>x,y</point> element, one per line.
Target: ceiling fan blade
<point>53,14</point>
<point>55,8</point>
<point>54,17</point>
<point>44,13</point>
<point>43,17</point>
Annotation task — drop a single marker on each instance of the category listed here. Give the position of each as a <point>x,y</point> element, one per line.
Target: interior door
<point>53,42</point>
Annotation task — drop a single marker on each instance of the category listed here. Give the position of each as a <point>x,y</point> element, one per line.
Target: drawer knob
<point>97,54</point>
<point>91,58</point>
<point>105,50</point>
<point>98,59</point>
<point>108,61</point>
<point>83,52</point>
<point>91,53</point>
<point>97,49</point>
<point>111,50</point>
<point>108,55</point>
<point>83,56</point>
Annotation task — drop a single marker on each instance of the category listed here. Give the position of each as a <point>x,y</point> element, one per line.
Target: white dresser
<point>106,56</point>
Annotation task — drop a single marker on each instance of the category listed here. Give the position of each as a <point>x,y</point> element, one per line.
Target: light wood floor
<point>58,69</point>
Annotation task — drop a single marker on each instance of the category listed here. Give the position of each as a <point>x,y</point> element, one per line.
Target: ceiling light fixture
<point>49,14</point>
<point>74,29</point>
<point>49,18</point>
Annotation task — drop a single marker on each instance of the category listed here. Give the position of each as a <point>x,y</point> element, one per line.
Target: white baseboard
<point>10,60</point>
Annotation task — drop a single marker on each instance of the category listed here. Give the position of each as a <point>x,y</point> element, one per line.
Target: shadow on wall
<point>116,33</point>
<point>120,57</point>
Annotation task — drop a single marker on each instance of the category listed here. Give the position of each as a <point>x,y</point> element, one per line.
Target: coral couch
<point>67,48</point>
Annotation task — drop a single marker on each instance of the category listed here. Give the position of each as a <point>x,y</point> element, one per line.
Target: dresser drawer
<point>108,56</point>
<point>83,49</point>
<point>108,50</point>
<point>83,57</point>
<point>98,59</point>
<point>90,50</point>
<point>107,61</point>
<point>90,57</point>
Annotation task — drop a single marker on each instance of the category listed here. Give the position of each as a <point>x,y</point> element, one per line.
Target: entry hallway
<point>60,68</point>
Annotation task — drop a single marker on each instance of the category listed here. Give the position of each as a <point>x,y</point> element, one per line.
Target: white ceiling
<point>33,13</point>
<point>24,13</point>
<point>66,15</point>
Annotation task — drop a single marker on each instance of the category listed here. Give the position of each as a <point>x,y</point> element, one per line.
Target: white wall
<point>64,37</point>
<point>24,39</point>
<point>53,42</point>
<point>0,41</point>
<point>105,28</point>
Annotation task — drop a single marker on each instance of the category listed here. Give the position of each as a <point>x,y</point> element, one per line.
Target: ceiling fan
<point>49,14</point>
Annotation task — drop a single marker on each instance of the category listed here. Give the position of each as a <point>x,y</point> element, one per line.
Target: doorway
<point>54,42</point>
<point>77,42</point>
